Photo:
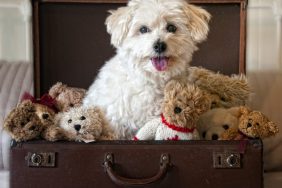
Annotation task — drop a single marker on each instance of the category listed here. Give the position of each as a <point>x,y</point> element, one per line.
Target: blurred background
<point>264,70</point>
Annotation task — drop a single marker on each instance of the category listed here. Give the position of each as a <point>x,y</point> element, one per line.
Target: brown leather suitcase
<point>70,45</point>
<point>199,164</point>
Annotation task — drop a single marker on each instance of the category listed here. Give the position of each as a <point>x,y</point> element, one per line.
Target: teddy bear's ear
<point>174,85</point>
<point>244,110</point>
<point>198,22</point>
<point>94,110</point>
<point>58,118</point>
<point>56,89</point>
<point>272,128</point>
<point>27,105</point>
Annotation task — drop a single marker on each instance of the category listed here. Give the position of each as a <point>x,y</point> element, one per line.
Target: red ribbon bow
<point>45,100</point>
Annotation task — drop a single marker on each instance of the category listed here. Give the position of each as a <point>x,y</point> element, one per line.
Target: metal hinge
<point>41,159</point>
<point>226,160</point>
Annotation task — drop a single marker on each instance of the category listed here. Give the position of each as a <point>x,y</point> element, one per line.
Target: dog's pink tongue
<point>160,63</point>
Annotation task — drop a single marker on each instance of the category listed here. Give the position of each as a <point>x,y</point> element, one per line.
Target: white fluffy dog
<point>155,40</point>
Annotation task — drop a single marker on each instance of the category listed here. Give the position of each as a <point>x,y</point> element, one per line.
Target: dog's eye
<point>144,29</point>
<point>171,28</point>
<point>69,121</point>
<point>82,118</point>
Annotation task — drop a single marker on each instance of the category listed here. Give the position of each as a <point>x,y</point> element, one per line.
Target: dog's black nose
<point>160,47</point>
<point>77,127</point>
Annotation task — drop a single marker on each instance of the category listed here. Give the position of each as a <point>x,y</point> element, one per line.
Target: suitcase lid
<point>71,43</point>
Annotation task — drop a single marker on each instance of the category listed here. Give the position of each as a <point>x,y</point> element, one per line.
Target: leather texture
<point>191,164</point>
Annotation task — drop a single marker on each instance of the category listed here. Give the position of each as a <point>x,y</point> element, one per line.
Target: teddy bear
<point>66,97</point>
<point>82,124</point>
<point>235,123</point>
<point>182,105</point>
<point>215,121</point>
<point>23,123</point>
<point>225,91</point>
<point>252,124</point>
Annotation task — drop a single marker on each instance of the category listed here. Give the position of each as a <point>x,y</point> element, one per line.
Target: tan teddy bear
<point>252,124</point>
<point>22,123</point>
<point>182,106</point>
<point>83,124</point>
<point>225,91</point>
<point>66,97</point>
<point>214,122</point>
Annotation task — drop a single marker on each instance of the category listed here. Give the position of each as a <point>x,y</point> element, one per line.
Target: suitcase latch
<point>226,160</point>
<point>41,159</point>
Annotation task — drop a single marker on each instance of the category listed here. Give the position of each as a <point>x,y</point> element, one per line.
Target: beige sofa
<point>16,78</point>
<point>267,97</point>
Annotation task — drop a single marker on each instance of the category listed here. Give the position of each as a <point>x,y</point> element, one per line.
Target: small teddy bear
<point>225,91</point>
<point>82,124</point>
<point>181,108</point>
<point>66,97</point>
<point>252,124</point>
<point>22,123</point>
<point>214,122</point>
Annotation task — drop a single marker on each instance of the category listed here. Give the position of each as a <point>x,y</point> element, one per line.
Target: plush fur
<point>235,123</point>
<point>91,122</point>
<point>252,124</point>
<point>129,87</point>
<point>182,106</point>
<point>225,91</point>
<point>213,123</point>
<point>66,97</point>
<point>22,123</point>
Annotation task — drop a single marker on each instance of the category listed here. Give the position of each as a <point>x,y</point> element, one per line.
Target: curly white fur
<point>129,88</point>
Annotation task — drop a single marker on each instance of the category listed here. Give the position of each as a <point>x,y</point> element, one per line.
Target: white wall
<point>264,35</point>
<point>15,30</point>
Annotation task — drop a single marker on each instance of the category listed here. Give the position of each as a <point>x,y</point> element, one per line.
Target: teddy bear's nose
<point>214,137</point>
<point>77,127</point>
<point>249,125</point>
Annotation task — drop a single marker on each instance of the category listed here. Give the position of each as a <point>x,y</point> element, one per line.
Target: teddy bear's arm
<point>148,131</point>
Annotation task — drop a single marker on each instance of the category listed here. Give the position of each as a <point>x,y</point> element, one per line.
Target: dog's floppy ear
<point>118,24</point>
<point>198,22</point>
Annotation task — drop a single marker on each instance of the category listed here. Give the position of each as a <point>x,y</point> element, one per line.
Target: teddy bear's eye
<point>223,99</point>
<point>257,124</point>
<point>177,110</point>
<point>45,116</point>
<point>225,127</point>
<point>69,121</point>
<point>82,118</point>
<point>144,29</point>
<point>71,105</point>
<point>22,124</point>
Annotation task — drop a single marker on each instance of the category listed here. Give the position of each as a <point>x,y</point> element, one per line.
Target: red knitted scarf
<point>176,128</point>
